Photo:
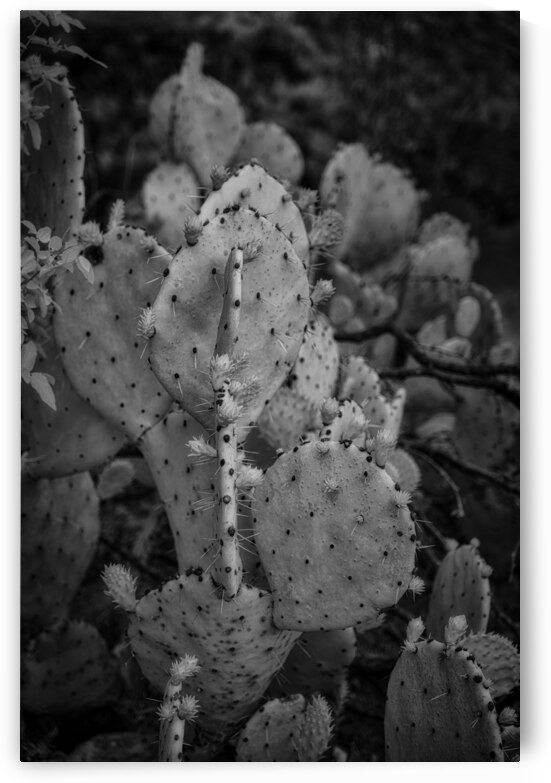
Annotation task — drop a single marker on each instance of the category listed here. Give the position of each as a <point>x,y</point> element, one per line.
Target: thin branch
<point>426,357</point>
<point>469,468</point>
<point>501,388</point>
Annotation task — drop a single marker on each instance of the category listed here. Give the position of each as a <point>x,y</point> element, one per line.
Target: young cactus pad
<point>335,538</point>
<point>60,530</point>
<point>274,312</point>
<point>278,152</point>
<point>461,586</point>
<point>53,181</point>
<point>439,708</point>
<point>195,118</point>
<point>289,729</point>
<point>96,328</point>
<point>253,187</point>
<point>238,647</point>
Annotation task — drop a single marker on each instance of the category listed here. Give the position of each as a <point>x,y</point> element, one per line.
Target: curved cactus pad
<point>439,708</point>
<point>96,329</point>
<point>336,540</point>
<point>287,730</point>
<point>69,440</point>
<point>53,185</point>
<point>274,312</point>
<point>461,586</point>
<point>67,670</point>
<point>60,529</point>
<point>236,643</point>
<point>269,143</point>
<point>252,186</point>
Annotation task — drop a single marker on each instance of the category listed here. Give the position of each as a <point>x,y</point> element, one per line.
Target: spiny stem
<point>228,568</point>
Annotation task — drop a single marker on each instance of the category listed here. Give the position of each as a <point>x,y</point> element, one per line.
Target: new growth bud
<point>121,586</point>
<point>193,228</point>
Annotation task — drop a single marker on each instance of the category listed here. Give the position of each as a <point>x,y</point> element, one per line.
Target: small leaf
<point>86,268</point>
<point>44,234</point>
<point>42,384</point>
<point>29,226</point>
<point>29,353</point>
<point>56,243</point>
<point>36,135</point>
<point>70,254</point>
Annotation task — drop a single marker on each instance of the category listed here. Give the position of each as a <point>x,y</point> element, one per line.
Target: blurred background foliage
<point>436,93</point>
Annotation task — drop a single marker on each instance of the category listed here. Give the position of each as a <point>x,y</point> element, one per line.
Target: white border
<point>536,306</point>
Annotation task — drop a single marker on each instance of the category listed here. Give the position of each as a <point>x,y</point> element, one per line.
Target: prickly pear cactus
<point>368,301</point>
<point>434,274</point>
<point>294,408</point>
<point>239,648</point>
<point>361,383</point>
<point>71,439</point>
<point>316,370</point>
<point>286,418</point>
<point>379,203</point>
<point>66,670</point>
<point>498,658</point>
<point>442,224</point>
<point>97,327</point>
<point>170,195</point>
<point>461,586</point>
<point>253,187</point>
<point>289,729</point>
<point>273,312</point>
<point>272,146</point>
<point>185,482</point>
<point>53,174</point>
<point>335,539</point>
<point>439,707</point>
<point>195,119</point>
<point>60,530</point>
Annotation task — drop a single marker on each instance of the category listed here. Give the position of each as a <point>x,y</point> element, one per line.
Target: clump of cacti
<point>248,311</point>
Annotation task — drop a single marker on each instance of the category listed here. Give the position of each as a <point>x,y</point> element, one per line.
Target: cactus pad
<point>67,670</point>
<point>53,184</point>
<point>72,439</point>
<point>253,187</point>
<point>96,329</point>
<point>239,648</point>
<point>274,312</point>
<point>335,540</point>
<point>170,195</point>
<point>195,118</point>
<point>287,730</point>
<point>498,658</point>
<point>461,586</point>
<point>378,202</point>
<point>59,533</point>
<point>276,150</point>
<point>439,708</point>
